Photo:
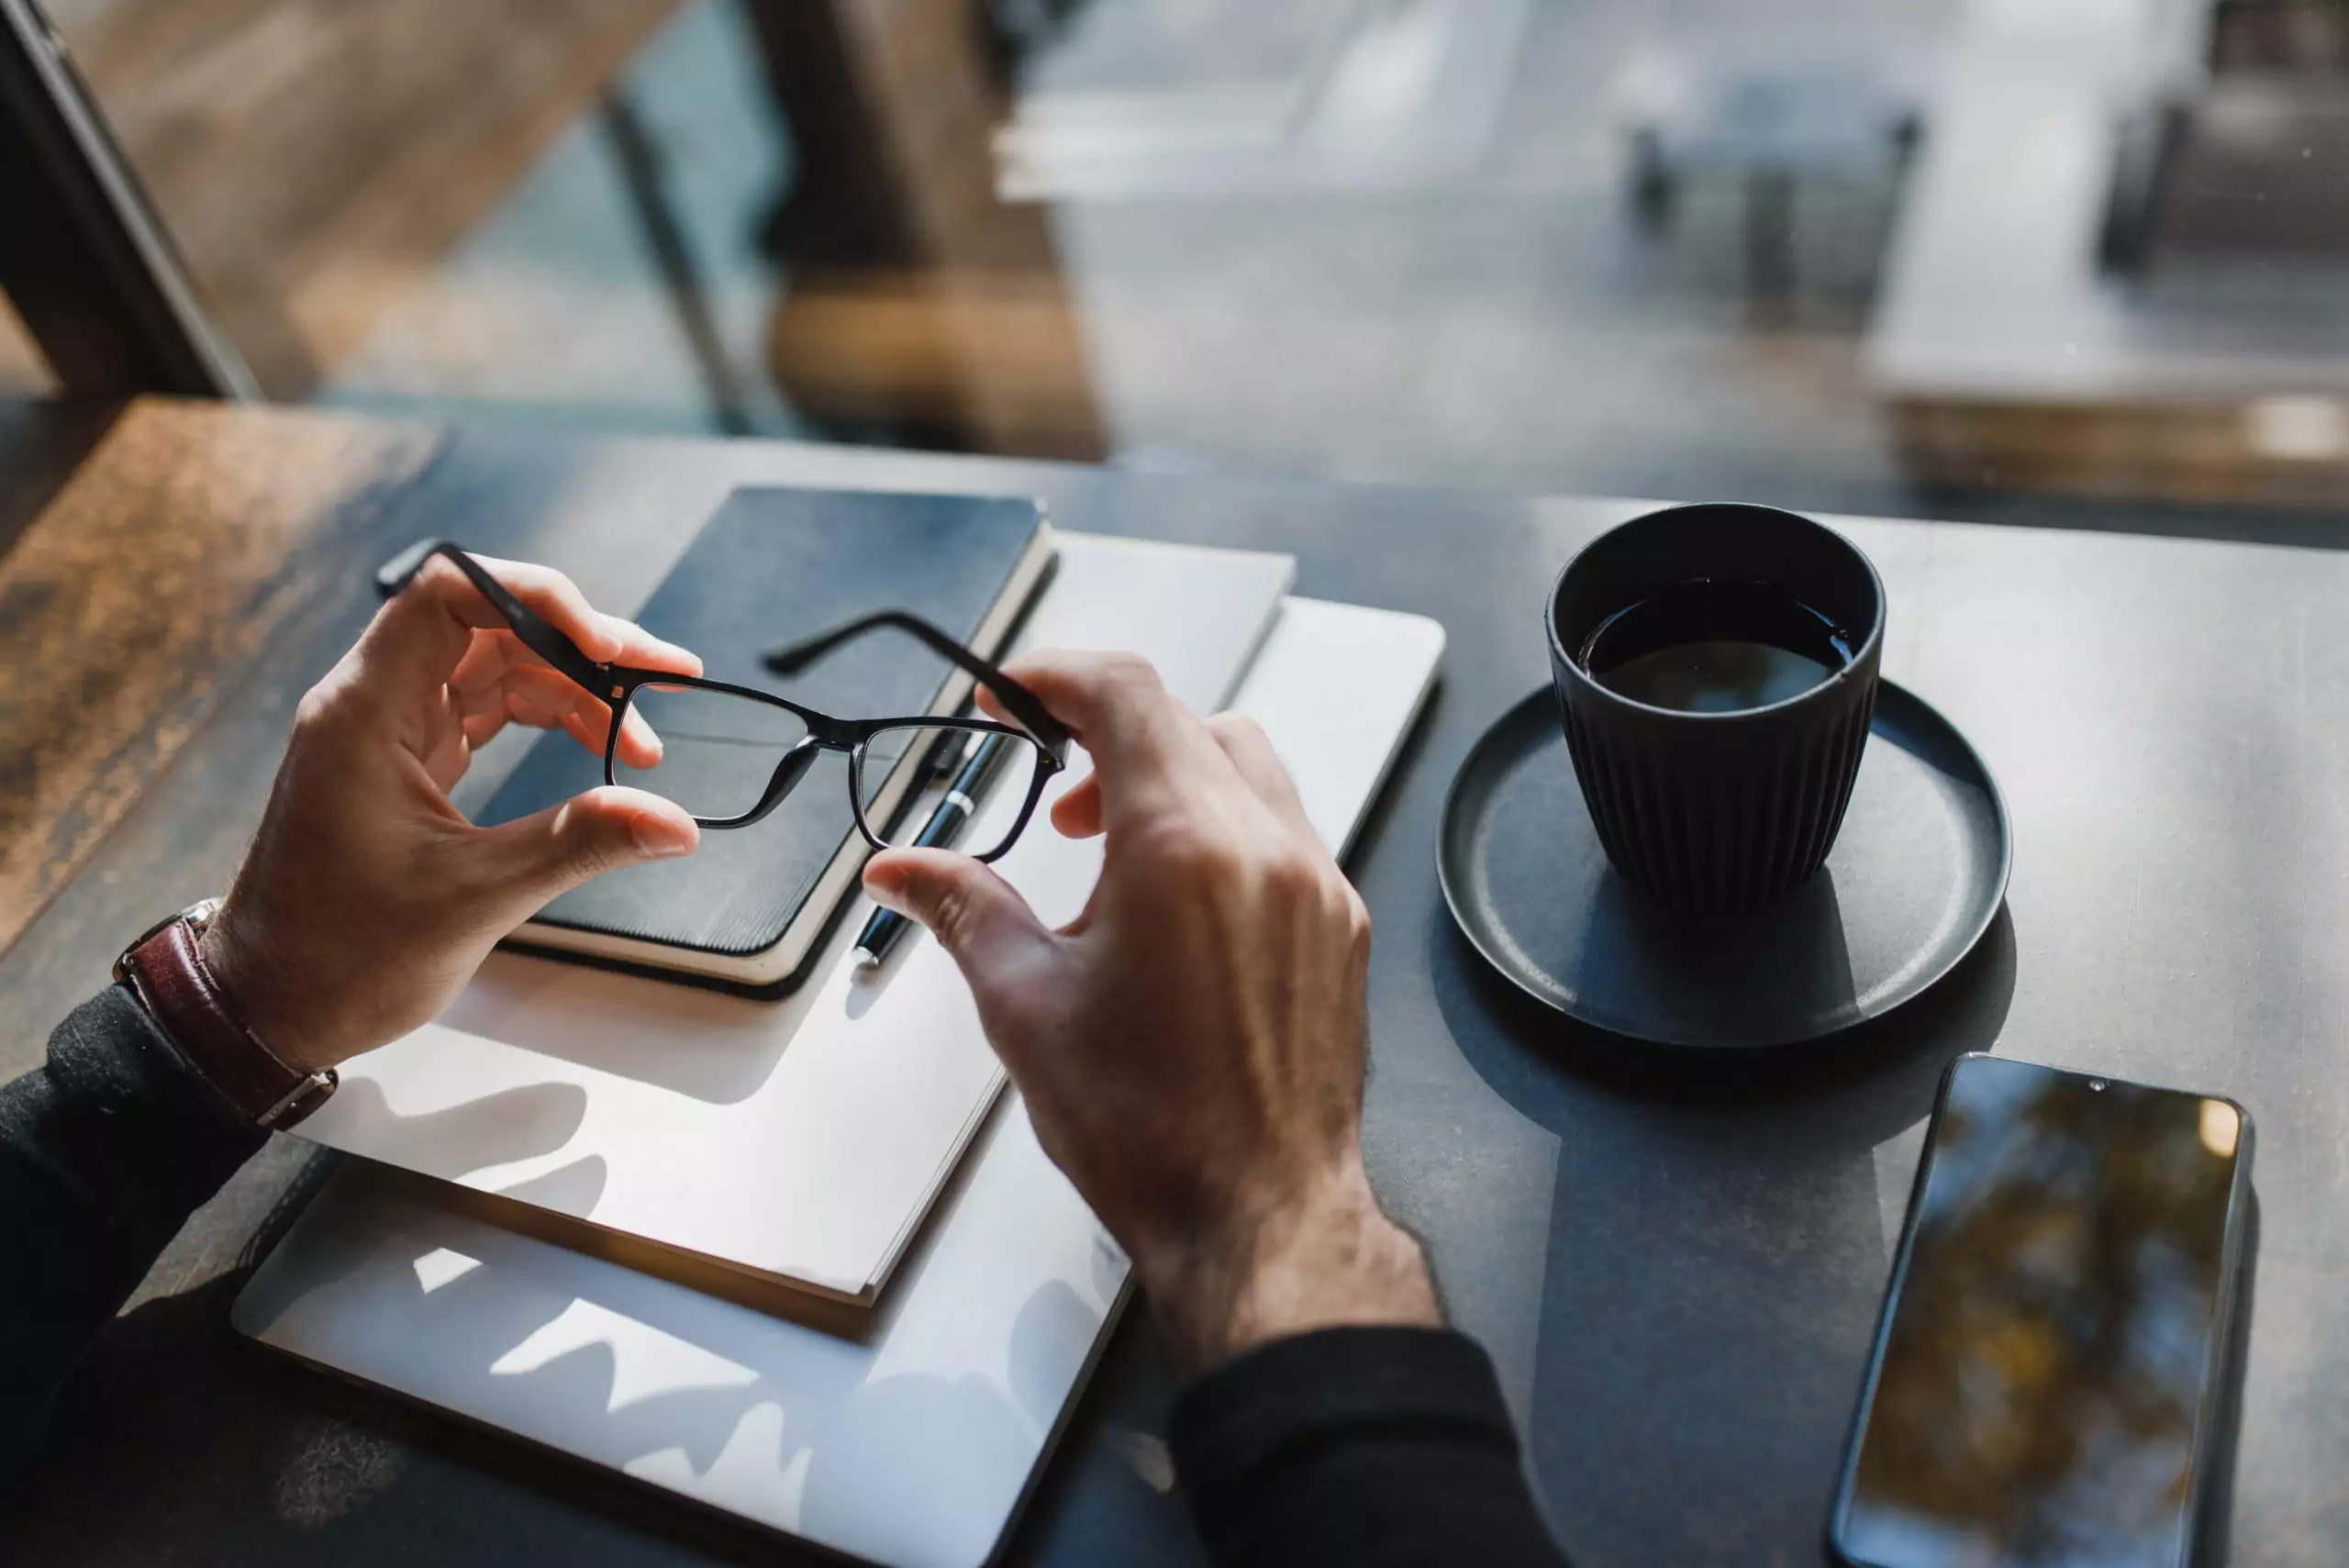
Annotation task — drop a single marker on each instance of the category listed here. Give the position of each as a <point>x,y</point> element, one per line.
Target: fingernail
<point>662,837</point>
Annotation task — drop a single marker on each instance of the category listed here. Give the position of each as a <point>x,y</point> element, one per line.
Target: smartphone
<point>2049,1368</point>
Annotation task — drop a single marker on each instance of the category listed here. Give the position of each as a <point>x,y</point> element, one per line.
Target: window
<point>1847,253</point>
<point>23,372</point>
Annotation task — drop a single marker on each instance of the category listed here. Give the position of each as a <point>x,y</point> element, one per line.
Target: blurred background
<point>2070,260</point>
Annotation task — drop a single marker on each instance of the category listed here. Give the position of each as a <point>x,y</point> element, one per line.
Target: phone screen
<point>2054,1337</point>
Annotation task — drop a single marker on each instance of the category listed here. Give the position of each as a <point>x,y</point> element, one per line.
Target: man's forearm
<point>1343,1423</point>
<point>1388,1448</point>
<point>103,1154</point>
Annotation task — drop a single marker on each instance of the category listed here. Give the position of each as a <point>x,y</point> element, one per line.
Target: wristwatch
<point>165,969</point>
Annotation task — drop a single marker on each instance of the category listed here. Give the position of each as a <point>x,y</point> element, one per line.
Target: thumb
<point>981,921</point>
<point>554,850</point>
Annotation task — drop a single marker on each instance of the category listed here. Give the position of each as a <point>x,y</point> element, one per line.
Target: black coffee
<point>1705,646</point>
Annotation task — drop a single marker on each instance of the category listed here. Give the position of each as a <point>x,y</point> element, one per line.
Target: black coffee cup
<point>1719,737</point>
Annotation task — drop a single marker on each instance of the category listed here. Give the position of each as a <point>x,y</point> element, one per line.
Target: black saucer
<point>1915,879</point>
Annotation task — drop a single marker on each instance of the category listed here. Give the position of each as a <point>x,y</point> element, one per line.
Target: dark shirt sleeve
<point>1372,1448</point>
<point>103,1154</point>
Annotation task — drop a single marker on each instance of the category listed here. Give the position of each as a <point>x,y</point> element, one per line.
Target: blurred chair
<point>2010,350</point>
<point>2248,163</point>
<point>1770,109</point>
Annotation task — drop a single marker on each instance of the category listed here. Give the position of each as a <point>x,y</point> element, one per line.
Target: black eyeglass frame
<point>616,684</point>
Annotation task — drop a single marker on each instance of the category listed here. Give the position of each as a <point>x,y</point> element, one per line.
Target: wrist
<point>1329,1258</point>
<point>166,971</point>
<point>244,980</point>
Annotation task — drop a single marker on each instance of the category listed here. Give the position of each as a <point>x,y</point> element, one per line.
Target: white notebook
<point>798,1141</point>
<point>913,1443</point>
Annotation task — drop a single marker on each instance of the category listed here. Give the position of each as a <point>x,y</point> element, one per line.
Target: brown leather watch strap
<point>166,972</point>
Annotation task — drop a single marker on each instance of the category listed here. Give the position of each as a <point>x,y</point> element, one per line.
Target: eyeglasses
<point>729,755</point>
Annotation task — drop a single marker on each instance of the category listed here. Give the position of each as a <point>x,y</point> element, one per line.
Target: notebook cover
<point>770,565</point>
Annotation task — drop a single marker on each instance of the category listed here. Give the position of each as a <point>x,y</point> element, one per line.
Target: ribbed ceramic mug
<point>1718,813</point>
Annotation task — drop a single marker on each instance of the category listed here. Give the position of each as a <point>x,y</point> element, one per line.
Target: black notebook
<point>752,907</point>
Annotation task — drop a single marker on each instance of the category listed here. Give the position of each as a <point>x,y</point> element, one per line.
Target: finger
<point>1077,814</point>
<point>605,638</point>
<point>499,665</point>
<point>983,925</point>
<point>641,648</point>
<point>522,710</point>
<point>488,656</point>
<point>540,856</point>
<point>588,719</point>
<point>1148,750</point>
<point>420,638</point>
<point>412,634</point>
<point>590,735</point>
<point>483,725</point>
<point>1250,750</point>
<point>555,597</point>
<point>641,745</point>
<point>449,751</point>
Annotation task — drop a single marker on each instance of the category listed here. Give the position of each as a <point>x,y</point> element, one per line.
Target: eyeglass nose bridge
<point>788,772</point>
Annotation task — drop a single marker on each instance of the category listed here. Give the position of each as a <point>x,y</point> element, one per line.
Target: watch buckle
<point>300,1097</point>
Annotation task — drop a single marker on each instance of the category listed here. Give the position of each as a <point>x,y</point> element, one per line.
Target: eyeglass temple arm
<point>1018,700</point>
<point>537,634</point>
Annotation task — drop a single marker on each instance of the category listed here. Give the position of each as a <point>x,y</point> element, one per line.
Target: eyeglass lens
<point>993,787</point>
<point>717,751</point>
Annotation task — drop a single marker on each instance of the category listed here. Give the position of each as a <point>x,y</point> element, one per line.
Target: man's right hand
<point>1191,1046</point>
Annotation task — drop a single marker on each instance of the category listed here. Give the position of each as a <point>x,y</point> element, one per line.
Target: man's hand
<point>367,900</point>
<point>1191,1047</point>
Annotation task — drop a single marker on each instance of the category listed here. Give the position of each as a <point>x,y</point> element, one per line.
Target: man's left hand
<point>367,899</point>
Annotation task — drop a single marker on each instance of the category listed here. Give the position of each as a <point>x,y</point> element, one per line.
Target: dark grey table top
<point>1677,1277</point>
